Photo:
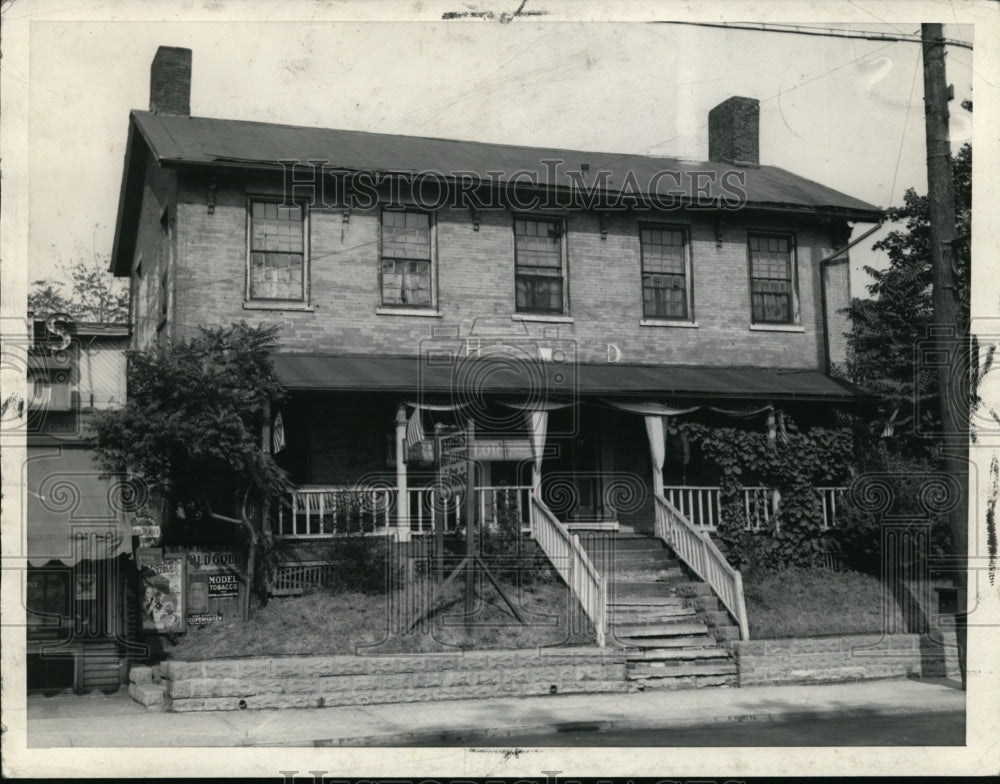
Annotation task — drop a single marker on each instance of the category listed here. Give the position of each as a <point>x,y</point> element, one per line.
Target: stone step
<point>675,654</point>
<point>685,641</point>
<point>660,559</point>
<point>620,590</point>
<point>622,543</point>
<point>638,630</point>
<point>637,602</point>
<point>632,574</point>
<point>682,682</point>
<point>650,614</point>
<point>680,669</point>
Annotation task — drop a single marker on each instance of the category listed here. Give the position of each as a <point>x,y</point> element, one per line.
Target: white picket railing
<point>573,564</point>
<point>700,505</point>
<point>316,512</point>
<point>757,506</point>
<point>697,550</point>
<point>426,505</point>
<point>829,497</point>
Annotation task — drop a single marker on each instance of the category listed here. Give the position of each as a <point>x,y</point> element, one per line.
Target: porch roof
<point>315,372</point>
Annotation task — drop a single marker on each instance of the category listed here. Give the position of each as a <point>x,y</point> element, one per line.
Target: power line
<point>823,32</point>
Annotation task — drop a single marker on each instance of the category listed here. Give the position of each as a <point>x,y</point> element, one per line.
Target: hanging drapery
<point>733,410</point>
<point>538,421</point>
<point>657,445</point>
<point>534,405</point>
<point>436,406</point>
<point>651,409</point>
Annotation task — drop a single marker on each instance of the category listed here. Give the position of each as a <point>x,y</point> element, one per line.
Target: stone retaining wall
<point>322,681</point>
<point>848,658</point>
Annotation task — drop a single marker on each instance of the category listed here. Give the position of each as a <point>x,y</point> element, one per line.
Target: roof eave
<point>133,170</point>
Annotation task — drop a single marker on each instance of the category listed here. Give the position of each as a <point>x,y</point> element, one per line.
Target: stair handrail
<point>703,557</point>
<point>570,560</point>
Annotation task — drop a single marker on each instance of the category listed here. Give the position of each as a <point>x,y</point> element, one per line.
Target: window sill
<point>252,305</point>
<point>421,312</point>
<point>668,323</point>
<point>777,328</point>
<point>542,317</point>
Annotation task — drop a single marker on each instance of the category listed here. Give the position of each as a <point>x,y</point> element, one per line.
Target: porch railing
<point>700,505</point>
<point>696,548</point>
<point>830,496</point>
<point>573,564</point>
<point>427,505</point>
<point>317,512</point>
<point>757,505</point>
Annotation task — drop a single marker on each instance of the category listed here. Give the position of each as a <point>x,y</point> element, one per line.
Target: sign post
<point>457,463</point>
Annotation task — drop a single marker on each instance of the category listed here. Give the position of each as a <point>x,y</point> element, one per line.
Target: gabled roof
<point>205,142</point>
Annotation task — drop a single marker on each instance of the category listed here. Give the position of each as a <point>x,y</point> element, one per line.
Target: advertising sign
<point>215,581</point>
<point>162,598</point>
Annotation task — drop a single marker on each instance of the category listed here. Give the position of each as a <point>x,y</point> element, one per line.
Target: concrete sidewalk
<point>117,721</point>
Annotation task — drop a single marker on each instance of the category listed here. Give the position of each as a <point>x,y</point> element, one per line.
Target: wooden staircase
<point>670,624</point>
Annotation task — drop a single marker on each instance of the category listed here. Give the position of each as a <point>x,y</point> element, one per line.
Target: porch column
<point>402,496</point>
<point>657,451</point>
<point>539,423</point>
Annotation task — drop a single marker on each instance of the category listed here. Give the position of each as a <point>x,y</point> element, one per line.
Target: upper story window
<point>772,278</point>
<point>666,291</point>
<point>277,252</point>
<point>539,268</point>
<point>406,273</point>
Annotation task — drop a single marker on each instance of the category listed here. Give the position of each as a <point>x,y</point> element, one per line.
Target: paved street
<point>936,729</point>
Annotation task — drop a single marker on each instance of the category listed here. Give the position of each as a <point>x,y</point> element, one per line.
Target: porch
<point>549,462</point>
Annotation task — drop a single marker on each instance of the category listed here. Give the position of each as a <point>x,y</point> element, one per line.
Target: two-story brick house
<point>564,301</point>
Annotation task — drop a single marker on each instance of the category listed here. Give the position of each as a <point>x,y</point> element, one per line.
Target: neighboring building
<point>565,329</point>
<point>78,540</point>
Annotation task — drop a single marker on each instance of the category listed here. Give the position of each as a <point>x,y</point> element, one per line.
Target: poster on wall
<point>215,579</point>
<point>162,592</point>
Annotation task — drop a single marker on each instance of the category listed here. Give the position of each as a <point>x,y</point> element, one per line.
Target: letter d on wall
<point>614,353</point>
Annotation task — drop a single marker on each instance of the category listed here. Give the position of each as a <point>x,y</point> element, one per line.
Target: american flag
<point>277,434</point>
<point>414,430</point>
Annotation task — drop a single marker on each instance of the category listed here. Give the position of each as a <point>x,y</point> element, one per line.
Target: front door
<point>572,480</point>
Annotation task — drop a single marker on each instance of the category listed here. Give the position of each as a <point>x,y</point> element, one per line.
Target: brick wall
<point>838,296</point>
<point>155,251</point>
<point>475,284</point>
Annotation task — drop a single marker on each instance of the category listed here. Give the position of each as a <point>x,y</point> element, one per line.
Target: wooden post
<point>470,524</point>
<point>946,318</point>
<point>402,492</point>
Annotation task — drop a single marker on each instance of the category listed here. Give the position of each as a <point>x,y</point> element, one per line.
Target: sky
<point>846,113</point>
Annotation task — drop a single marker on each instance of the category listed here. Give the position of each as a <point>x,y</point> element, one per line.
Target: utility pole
<point>946,316</point>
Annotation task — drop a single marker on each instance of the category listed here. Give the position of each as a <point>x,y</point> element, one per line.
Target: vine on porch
<point>794,464</point>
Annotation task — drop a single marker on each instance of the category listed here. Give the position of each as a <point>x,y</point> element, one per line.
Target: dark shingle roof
<point>200,141</point>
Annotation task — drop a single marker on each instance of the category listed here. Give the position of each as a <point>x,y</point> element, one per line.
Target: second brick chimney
<point>170,81</point>
<point>734,132</point>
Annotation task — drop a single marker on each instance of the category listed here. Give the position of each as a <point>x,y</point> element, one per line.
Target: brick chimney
<point>734,132</point>
<point>170,81</point>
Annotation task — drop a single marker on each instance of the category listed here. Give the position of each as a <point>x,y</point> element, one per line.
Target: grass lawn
<point>797,602</point>
<point>323,622</point>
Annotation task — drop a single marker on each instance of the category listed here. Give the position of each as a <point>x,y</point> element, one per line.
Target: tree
<point>886,328</point>
<point>95,294</point>
<point>191,429</point>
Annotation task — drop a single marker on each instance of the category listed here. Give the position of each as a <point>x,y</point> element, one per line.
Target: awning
<point>466,379</point>
<point>73,513</point>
